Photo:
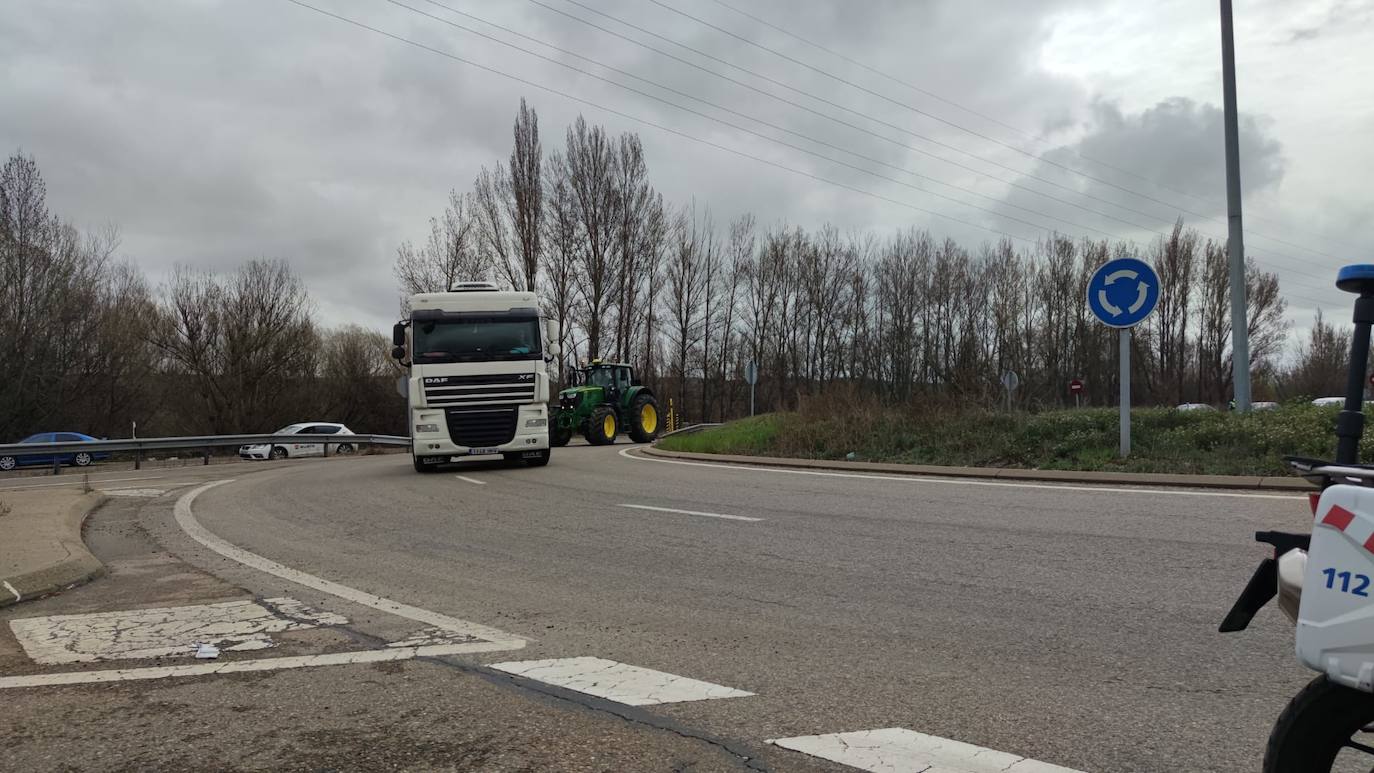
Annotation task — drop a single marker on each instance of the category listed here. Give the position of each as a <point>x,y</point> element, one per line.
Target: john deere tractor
<point>605,400</point>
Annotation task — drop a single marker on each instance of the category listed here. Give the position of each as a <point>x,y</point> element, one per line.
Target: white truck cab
<point>479,374</point>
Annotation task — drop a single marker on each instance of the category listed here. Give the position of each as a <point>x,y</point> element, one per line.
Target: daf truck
<point>478,381</point>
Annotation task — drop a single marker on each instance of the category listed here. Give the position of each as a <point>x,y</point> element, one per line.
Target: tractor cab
<point>604,400</point>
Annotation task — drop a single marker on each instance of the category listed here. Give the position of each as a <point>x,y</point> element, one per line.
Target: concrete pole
<point>1124,343</point>
<point>1240,332</point>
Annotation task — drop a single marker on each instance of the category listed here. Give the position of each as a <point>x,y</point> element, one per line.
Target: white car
<point>1329,401</point>
<point>1195,407</point>
<point>284,448</point>
<point>1264,405</point>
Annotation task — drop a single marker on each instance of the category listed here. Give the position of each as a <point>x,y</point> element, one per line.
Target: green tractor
<point>605,400</point>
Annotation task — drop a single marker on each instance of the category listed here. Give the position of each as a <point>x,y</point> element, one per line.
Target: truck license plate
<point>480,451</point>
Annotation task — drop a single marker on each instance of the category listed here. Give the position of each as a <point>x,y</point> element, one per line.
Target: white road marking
<point>495,639</point>
<point>79,482</point>
<point>897,750</point>
<point>920,478</point>
<point>135,492</point>
<point>631,685</point>
<point>164,631</point>
<point>471,480</point>
<point>694,512</point>
<point>242,666</point>
<point>10,588</point>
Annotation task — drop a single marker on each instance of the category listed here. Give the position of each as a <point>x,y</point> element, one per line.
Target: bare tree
<point>450,255</point>
<point>592,177</point>
<point>524,199</point>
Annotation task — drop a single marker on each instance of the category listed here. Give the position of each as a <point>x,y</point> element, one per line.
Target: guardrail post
<point>206,454</point>
<point>326,450</point>
<point>56,464</point>
<point>138,459</point>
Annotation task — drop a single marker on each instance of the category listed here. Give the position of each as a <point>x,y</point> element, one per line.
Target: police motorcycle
<point>1323,583</point>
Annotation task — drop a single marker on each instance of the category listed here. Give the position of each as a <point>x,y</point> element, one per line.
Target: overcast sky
<point>216,132</point>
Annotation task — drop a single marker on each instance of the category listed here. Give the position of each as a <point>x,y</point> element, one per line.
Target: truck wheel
<point>644,419</point>
<point>540,460</point>
<point>559,436</point>
<point>602,426</point>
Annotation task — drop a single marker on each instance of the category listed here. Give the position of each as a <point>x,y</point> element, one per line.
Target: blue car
<point>74,458</point>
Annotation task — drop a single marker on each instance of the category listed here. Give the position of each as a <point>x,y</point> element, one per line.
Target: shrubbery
<point>1163,440</point>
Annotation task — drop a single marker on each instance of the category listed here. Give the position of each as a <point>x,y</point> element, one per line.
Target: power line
<point>652,124</point>
<point>731,111</point>
<point>679,133</point>
<point>1303,264</point>
<point>761,122</point>
<point>1024,133</point>
<point>974,132</point>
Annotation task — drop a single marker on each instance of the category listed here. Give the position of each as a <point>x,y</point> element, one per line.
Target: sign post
<point>751,375</point>
<point>1011,381</point>
<point>1121,294</point>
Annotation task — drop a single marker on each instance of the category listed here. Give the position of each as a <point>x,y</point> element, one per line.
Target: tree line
<point>92,346</point>
<point>689,300</point>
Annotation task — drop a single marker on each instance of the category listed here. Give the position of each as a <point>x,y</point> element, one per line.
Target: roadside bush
<point>1163,440</point>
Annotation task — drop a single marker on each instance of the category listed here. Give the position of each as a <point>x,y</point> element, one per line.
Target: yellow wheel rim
<point>608,426</point>
<point>648,418</point>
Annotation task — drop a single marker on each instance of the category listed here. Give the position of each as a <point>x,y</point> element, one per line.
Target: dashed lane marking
<point>898,750</point>
<point>631,685</point>
<point>17,598</point>
<point>932,479</point>
<point>495,639</point>
<point>161,632</point>
<point>243,666</point>
<point>471,480</point>
<point>693,512</point>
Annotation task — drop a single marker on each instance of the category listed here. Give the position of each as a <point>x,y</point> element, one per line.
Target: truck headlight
<point>424,428</point>
<point>540,422</point>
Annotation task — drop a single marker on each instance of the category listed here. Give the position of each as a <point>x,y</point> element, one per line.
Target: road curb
<point>78,567</point>
<point>1270,483</point>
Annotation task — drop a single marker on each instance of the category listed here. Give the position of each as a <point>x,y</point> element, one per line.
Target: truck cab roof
<point>485,300</point>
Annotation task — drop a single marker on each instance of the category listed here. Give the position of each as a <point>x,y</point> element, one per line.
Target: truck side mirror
<point>552,332</point>
<point>398,336</point>
<point>398,353</point>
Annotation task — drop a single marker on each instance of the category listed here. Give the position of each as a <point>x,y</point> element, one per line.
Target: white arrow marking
<point>1106,304</point>
<point>1140,298</point>
<point>1124,273</point>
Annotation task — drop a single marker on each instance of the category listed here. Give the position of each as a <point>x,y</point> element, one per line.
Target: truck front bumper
<point>531,437</point>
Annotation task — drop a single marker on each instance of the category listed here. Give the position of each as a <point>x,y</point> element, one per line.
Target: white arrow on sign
<point>1124,273</point>
<point>1140,298</point>
<point>1106,304</point>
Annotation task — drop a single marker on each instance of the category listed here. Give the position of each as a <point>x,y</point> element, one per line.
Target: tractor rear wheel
<point>644,419</point>
<point>602,426</point>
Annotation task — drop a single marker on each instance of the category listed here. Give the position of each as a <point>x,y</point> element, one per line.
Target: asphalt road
<point>1074,625</point>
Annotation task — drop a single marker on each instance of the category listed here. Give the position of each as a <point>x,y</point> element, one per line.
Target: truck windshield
<point>472,340</point>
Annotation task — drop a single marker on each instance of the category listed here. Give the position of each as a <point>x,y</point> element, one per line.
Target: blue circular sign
<point>1123,292</point>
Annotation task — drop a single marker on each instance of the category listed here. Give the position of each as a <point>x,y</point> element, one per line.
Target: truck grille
<point>493,390</point>
<point>481,427</point>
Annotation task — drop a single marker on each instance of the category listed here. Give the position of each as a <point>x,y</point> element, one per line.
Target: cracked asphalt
<point>1074,627</point>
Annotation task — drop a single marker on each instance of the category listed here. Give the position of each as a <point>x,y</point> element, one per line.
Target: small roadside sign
<point>751,373</point>
<point>1076,386</point>
<point>1122,293</point>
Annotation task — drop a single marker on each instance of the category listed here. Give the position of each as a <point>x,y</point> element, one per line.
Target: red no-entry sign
<point>1076,387</point>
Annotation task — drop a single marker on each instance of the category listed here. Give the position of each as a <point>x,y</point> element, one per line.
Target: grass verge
<point>1163,440</point>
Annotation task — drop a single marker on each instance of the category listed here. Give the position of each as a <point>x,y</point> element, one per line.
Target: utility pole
<point>1240,330</point>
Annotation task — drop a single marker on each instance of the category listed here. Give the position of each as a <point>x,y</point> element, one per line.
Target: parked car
<point>74,458</point>
<point>1264,405</point>
<point>284,448</point>
<point>1195,407</point>
<point>1329,401</point>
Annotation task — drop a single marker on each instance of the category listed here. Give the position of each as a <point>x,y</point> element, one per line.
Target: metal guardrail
<point>691,429</point>
<point>202,443</point>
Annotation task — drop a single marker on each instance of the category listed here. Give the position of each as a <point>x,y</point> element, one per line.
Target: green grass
<point>1163,440</point>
